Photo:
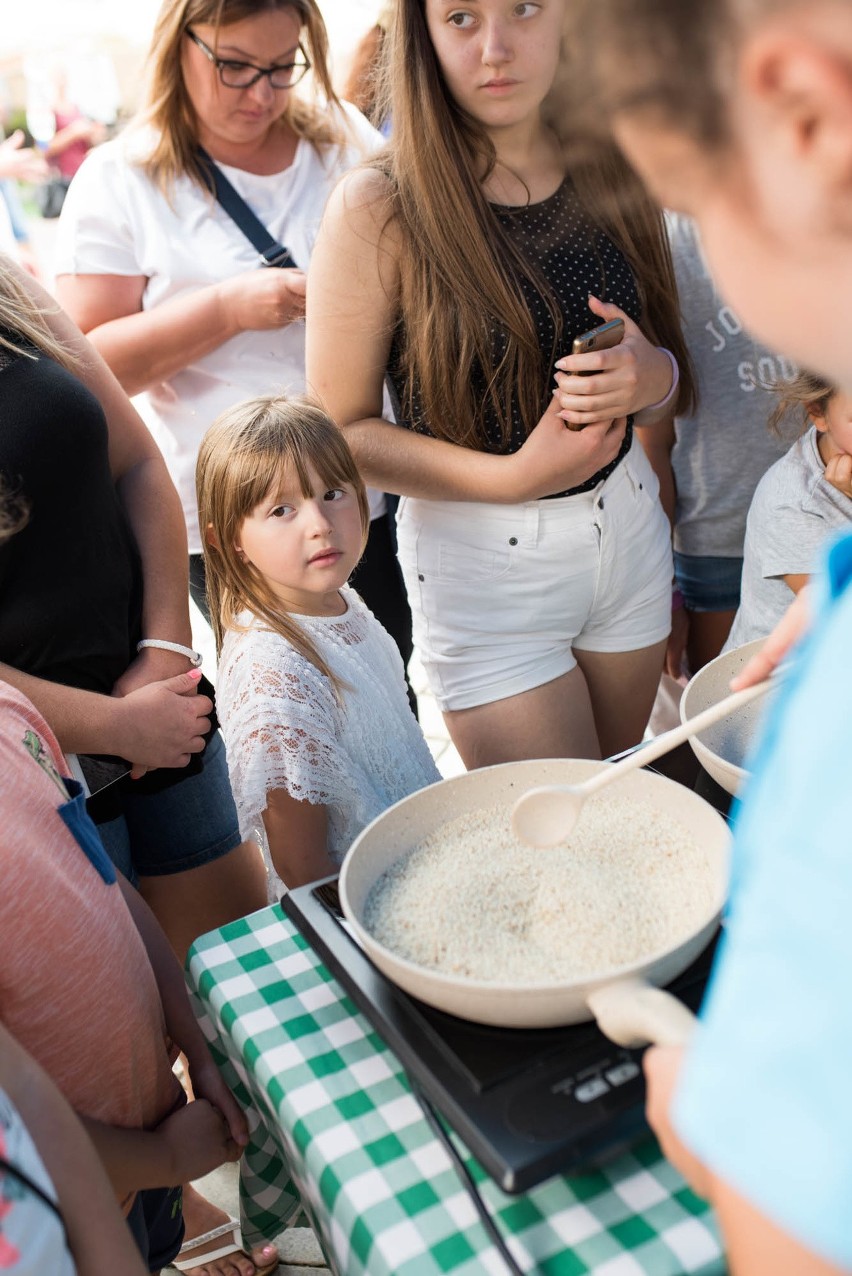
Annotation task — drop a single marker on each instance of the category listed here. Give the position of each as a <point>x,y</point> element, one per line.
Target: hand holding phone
<point>603,337</point>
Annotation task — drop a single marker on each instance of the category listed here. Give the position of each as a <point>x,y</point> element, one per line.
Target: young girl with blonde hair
<point>461,265</point>
<point>311,693</point>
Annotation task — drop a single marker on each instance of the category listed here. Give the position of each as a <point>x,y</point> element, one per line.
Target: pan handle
<point>633,1013</point>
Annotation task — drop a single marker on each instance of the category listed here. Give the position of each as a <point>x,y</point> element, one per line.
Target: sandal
<point>231,1228</point>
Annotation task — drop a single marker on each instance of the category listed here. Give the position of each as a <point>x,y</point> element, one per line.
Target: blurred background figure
<point>361,85</point>
<point>66,119</point>
<point>18,163</point>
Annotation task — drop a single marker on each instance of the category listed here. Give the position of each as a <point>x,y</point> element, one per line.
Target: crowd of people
<point>300,305</point>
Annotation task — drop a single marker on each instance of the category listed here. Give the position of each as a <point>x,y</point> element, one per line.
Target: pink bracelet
<point>677,599</point>
<point>664,403</point>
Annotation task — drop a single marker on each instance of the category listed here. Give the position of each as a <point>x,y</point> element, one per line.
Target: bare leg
<point>189,904</point>
<point>708,633</point>
<point>200,1216</point>
<point>622,686</point>
<point>551,721</point>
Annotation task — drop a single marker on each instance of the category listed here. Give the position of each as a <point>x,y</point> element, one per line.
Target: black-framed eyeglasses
<point>242,75</point>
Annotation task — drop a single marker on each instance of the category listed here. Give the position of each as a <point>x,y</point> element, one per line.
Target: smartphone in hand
<point>602,338</point>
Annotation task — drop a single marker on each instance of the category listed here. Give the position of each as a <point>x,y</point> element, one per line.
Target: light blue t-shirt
<point>766,1094</point>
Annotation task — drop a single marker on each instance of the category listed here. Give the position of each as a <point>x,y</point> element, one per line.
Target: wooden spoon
<point>546,816</point>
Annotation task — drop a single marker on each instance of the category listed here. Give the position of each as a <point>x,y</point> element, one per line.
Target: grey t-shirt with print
<point>794,511</point>
<point>723,450</point>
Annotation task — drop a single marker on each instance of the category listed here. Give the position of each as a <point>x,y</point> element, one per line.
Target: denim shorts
<point>502,595</point>
<point>184,826</point>
<point>707,583</point>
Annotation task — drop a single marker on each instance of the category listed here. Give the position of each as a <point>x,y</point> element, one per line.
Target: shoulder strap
<point>272,253</point>
<point>6,1167</point>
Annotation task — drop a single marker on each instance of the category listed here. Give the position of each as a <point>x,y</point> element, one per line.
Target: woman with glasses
<point>167,287</point>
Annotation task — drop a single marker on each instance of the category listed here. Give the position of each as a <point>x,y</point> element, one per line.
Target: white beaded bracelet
<point>664,402</point>
<point>194,657</point>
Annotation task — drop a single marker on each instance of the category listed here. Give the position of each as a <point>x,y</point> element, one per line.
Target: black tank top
<point>562,246</point>
<point>71,579</point>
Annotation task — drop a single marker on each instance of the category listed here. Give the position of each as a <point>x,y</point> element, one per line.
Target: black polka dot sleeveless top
<point>563,247</point>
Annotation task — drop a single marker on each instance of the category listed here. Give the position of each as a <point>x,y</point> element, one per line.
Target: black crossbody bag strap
<point>7,1167</point>
<point>271,252</point>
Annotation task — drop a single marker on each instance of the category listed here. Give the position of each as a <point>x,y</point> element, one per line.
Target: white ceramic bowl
<point>723,749</point>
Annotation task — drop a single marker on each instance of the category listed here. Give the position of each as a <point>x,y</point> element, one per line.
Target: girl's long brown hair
<point>459,269</point>
<point>166,106</point>
<point>242,457</point>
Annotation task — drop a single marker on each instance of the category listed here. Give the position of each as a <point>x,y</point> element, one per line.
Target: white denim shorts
<point>502,595</point>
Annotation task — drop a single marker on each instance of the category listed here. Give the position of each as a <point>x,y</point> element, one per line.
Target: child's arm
<point>181,1023</point>
<point>796,582</point>
<point>792,626</point>
<point>754,1245</point>
<point>297,833</point>
<point>838,471</point>
<point>98,1238</point>
<point>187,1145</point>
<point>657,442</point>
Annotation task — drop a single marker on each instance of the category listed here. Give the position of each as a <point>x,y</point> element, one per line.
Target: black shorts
<point>156,1221</point>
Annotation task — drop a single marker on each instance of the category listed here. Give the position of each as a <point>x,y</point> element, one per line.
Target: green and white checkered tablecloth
<point>333,1123</point>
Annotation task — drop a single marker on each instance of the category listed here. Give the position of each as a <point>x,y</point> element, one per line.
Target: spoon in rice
<point>546,816</point>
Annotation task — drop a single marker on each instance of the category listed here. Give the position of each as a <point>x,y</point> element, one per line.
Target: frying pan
<point>627,1002</point>
<point>722,749</point>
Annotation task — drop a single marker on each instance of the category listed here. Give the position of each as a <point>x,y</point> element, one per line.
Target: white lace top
<point>285,729</point>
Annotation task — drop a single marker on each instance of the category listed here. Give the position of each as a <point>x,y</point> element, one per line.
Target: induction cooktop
<point>528,1103</point>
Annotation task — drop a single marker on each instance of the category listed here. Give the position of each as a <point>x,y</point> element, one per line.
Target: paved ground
<point>301,1255</point>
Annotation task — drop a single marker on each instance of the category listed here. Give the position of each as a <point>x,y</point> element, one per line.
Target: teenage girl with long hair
<point>460,265</point>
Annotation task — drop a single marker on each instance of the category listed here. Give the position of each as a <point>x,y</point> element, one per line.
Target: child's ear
<point>800,80</point>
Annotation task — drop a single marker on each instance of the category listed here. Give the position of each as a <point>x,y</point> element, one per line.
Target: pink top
<point>76,987</point>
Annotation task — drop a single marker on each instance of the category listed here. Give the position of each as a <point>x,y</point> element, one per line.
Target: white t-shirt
<point>115,221</point>
<point>284,728</point>
<point>794,513</point>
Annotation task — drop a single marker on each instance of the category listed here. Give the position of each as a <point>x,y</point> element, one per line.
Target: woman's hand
<point>629,377</point>
<point>161,724</point>
<point>265,298</point>
<point>555,458</point>
<point>22,163</point>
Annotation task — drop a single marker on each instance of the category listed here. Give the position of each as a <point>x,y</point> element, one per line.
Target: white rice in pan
<point>472,900</point>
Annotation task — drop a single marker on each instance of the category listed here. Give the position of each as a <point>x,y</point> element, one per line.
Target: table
<point>334,1126</point>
